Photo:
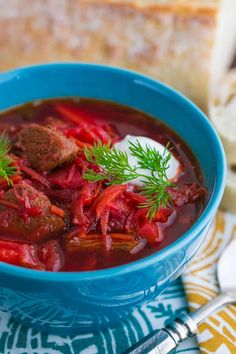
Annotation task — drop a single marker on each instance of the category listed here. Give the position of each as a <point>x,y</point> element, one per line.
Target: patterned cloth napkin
<point>218,333</point>
<point>18,339</point>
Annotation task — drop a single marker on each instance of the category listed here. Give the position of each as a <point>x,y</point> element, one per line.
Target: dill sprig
<point>113,163</point>
<point>7,170</point>
<point>115,168</point>
<point>157,195</point>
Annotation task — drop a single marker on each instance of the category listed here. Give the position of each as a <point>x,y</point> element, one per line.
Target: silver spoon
<point>166,340</point>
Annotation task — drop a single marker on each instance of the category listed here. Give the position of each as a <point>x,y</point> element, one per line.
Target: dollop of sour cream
<point>123,145</point>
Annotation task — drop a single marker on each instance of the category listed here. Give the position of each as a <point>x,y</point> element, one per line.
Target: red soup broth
<point>84,122</point>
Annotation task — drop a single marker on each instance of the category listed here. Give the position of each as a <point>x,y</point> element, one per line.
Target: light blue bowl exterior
<point>80,302</point>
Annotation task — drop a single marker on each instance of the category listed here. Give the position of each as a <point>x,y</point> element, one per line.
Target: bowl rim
<point>204,219</point>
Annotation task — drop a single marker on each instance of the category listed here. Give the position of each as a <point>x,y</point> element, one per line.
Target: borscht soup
<point>87,185</point>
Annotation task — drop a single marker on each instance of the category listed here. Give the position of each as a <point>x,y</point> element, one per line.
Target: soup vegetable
<point>87,185</point>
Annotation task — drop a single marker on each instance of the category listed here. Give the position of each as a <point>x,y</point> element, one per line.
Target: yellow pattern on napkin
<point>218,333</point>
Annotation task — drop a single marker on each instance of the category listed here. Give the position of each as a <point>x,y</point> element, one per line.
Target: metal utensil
<point>166,340</point>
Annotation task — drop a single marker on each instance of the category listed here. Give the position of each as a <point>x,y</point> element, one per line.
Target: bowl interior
<point>132,89</point>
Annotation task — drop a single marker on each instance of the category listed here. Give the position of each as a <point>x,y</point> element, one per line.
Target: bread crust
<point>184,7</point>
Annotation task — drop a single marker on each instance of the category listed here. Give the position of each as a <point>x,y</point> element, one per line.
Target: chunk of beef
<point>26,212</point>
<point>44,148</point>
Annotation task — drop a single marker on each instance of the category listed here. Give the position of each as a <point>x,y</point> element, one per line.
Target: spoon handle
<point>166,340</point>
<point>204,311</point>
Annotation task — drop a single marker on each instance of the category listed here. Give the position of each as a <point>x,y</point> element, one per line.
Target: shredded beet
<point>50,254</point>
<point>21,254</point>
<point>187,193</point>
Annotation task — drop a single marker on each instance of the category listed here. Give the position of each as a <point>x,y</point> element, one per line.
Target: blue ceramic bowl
<point>81,302</point>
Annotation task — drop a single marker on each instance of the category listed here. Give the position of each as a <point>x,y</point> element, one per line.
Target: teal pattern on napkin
<point>17,339</point>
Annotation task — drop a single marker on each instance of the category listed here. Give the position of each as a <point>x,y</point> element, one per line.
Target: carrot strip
<point>107,196</point>
<point>72,113</point>
<point>14,179</point>
<point>57,211</point>
<point>81,144</point>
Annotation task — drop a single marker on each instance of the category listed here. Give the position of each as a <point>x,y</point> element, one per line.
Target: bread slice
<point>222,112</point>
<point>229,197</point>
<point>185,43</point>
<point>223,115</point>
